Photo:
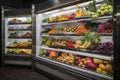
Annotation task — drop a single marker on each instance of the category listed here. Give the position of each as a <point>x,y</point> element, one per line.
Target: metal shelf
<point>18,23</point>
<point>20,37</point>
<point>20,54</point>
<point>100,56</point>
<point>60,50</point>
<point>77,20</point>
<point>94,55</point>
<point>45,34</point>
<point>19,29</point>
<point>78,69</point>
<point>19,47</point>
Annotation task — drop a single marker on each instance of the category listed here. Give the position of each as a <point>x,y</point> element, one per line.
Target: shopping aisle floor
<point>15,73</point>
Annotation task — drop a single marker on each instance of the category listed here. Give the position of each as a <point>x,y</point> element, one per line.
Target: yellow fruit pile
<point>19,51</point>
<point>62,17</point>
<point>21,44</point>
<point>79,13</point>
<point>104,66</point>
<point>58,18</point>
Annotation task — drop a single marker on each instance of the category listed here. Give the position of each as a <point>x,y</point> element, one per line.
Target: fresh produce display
<point>52,31</point>
<point>78,44</point>
<point>46,41</point>
<point>19,34</point>
<point>62,17</point>
<point>104,9</point>
<point>45,20</point>
<point>19,51</point>
<point>95,64</point>
<point>92,43</point>
<point>58,18</point>
<point>58,56</point>
<point>20,28</point>
<point>79,13</point>
<point>80,30</point>
<point>46,30</point>
<point>58,43</point>
<point>82,33</point>
<point>70,29</point>
<point>72,16</point>
<point>48,53</point>
<point>102,47</point>
<point>91,37</point>
<point>21,44</point>
<point>92,6</point>
<point>98,65</point>
<point>91,26</point>
<point>73,30</point>
<point>66,44</point>
<point>27,35</point>
<point>19,21</point>
<point>96,27</point>
<point>105,27</point>
<point>70,45</point>
<point>91,11</point>
<point>66,58</point>
<point>13,34</point>
<point>15,21</point>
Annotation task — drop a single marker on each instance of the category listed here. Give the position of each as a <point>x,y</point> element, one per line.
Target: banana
<point>83,46</point>
<point>88,44</point>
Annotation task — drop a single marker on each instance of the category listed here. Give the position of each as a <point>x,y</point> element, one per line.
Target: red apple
<point>77,62</point>
<point>88,59</point>
<point>49,51</point>
<point>77,58</point>
<point>91,66</point>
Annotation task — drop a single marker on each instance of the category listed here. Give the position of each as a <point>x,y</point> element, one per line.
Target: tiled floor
<point>15,73</point>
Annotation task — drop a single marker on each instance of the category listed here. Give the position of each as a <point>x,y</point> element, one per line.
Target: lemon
<point>99,70</point>
<point>106,62</point>
<point>104,72</point>
<point>108,68</point>
<point>102,66</point>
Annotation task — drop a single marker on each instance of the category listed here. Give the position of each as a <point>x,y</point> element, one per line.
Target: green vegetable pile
<point>91,37</point>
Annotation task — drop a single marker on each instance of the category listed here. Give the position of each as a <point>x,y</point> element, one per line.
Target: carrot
<point>52,31</point>
<point>80,30</point>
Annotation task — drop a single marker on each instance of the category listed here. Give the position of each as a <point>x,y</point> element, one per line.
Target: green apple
<point>109,6</point>
<point>78,42</point>
<point>106,11</point>
<point>98,11</point>
<point>102,12</point>
<point>110,10</point>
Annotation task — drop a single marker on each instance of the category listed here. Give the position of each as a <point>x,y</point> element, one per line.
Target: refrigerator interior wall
<point>39,29</point>
<point>6,34</point>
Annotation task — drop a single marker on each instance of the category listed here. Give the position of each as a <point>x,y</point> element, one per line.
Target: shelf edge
<point>80,53</point>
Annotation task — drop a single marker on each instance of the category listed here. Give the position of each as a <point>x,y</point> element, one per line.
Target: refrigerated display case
<point>17,36</point>
<point>77,40</point>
